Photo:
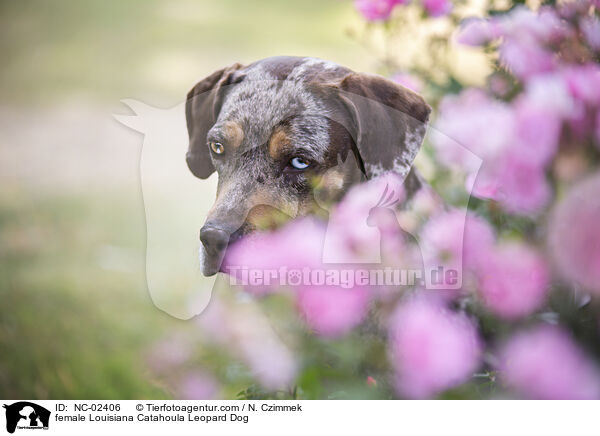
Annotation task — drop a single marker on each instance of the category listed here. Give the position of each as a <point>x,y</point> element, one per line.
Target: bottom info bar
<point>295,417</point>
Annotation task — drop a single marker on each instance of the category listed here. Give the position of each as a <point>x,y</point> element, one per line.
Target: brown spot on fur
<point>278,143</point>
<point>332,181</point>
<point>234,133</point>
<point>268,211</point>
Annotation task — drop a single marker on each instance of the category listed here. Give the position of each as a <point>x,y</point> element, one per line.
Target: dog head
<point>280,128</point>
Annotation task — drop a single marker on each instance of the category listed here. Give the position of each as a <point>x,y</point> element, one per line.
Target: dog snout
<point>214,239</point>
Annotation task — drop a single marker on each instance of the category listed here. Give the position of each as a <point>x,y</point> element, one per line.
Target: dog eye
<point>217,147</point>
<point>299,163</point>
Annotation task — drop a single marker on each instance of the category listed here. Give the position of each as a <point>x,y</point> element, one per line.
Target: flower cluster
<point>521,127</point>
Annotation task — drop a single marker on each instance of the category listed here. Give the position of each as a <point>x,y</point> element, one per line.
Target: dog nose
<point>215,240</point>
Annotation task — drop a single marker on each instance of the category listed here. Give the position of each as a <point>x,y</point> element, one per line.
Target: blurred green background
<point>76,319</point>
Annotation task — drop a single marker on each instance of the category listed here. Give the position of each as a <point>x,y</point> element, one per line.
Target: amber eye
<point>217,147</point>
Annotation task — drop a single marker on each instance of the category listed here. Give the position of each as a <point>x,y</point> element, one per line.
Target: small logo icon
<point>26,415</point>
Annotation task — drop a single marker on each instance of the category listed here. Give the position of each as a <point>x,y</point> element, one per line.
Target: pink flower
<point>453,237</point>
<point>582,83</point>
<point>477,32</point>
<point>196,386</point>
<point>351,237</point>
<point>244,331</point>
<point>525,58</point>
<point>527,35</point>
<point>514,142</point>
<point>597,136</point>
<point>545,364</point>
<point>272,250</point>
<point>590,26</point>
<point>542,27</point>
<point>514,280</point>
<point>437,8</point>
<point>332,311</point>
<point>572,9</point>
<point>432,349</point>
<point>478,123</point>
<point>523,187</point>
<point>549,93</point>
<point>574,238</point>
<point>537,133</point>
<point>376,10</point>
<point>169,354</point>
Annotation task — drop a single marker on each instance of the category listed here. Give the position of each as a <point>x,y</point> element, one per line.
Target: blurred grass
<point>110,50</point>
<point>69,327</point>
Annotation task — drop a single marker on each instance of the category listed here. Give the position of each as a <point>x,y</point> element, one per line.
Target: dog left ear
<point>389,122</point>
<point>201,111</point>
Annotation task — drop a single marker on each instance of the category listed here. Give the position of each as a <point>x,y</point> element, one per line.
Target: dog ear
<point>201,111</point>
<point>389,122</point>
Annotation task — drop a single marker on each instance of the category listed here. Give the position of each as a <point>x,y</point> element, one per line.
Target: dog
<point>271,128</point>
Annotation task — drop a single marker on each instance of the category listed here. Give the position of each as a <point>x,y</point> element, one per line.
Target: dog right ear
<point>201,111</point>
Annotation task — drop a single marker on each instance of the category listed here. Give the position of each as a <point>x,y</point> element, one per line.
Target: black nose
<point>215,240</point>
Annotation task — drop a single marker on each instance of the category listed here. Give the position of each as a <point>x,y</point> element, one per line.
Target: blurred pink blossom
<point>537,133</point>
<point>590,26</point>
<point>550,93</point>
<point>514,280</point>
<point>437,8</point>
<point>525,58</point>
<point>455,239</point>
<point>515,177</point>
<point>196,385</point>
<point>377,10</point>
<point>432,349</point>
<point>574,238</point>
<point>524,25</point>
<point>523,187</point>
<point>245,332</point>
<point>350,238</point>
<point>516,142</point>
<point>477,32</point>
<point>526,49</point>
<point>271,251</point>
<point>545,364</point>
<point>332,311</point>
<point>476,122</point>
<point>597,131</point>
<point>582,82</point>
<point>169,353</point>
<point>571,9</point>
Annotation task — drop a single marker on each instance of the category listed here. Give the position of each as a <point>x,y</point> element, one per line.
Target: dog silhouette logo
<point>26,415</point>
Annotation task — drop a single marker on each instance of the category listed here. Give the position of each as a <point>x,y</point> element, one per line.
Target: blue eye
<point>299,163</point>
